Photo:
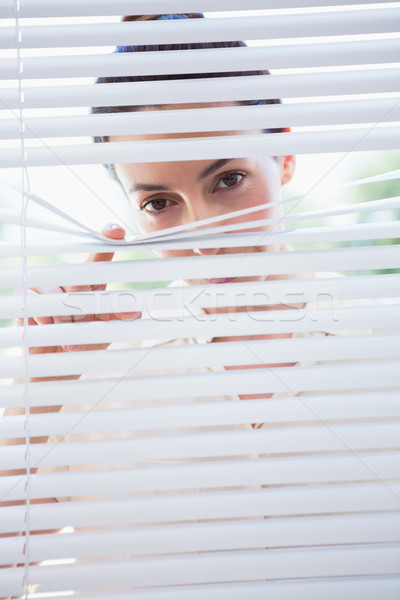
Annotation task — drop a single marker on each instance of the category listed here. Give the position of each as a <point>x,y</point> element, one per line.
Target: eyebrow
<point>148,187</point>
<point>151,187</point>
<point>213,167</point>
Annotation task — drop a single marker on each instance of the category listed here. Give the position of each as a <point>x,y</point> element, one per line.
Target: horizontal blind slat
<point>280,440</point>
<point>218,60</point>
<point>213,356</point>
<point>272,502</point>
<point>208,90</point>
<point>214,474</point>
<point>349,22</point>
<point>348,588</point>
<point>258,293</point>
<point>235,146</point>
<point>211,119</point>
<point>207,537</point>
<point>272,564</point>
<point>205,267</point>
<point>359,231</point>
<point>365,376</point>
<point>166,328</point>
<point>46,8</point>
<point>292,410</point>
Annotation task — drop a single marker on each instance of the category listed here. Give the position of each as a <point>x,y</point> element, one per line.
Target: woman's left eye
<point>230,180</point>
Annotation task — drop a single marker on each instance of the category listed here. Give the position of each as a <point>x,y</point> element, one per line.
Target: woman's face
<point>175,193</point>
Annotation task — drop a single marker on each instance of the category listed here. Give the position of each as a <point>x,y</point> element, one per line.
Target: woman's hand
<point>114,232</point>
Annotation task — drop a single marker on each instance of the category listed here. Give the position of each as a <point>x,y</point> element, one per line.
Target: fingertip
<point>110,226</point>
<point>114,231</point>
<point>130,316</point>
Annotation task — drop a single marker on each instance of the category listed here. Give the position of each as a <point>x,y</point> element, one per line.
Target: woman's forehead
<point>138,177</point>
<point>175,136</point>
<point>168,171</point>
<point>173,107</point>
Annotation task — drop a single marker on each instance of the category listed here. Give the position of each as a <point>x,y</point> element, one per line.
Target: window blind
<point>240,435</point>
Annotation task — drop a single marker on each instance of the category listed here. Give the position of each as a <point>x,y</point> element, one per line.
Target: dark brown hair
<point>162,47</point>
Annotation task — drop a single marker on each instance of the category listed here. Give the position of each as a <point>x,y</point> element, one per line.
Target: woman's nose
<point>199,208</point>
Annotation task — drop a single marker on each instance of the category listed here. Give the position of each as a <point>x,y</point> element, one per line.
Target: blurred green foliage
<point>387,161</point>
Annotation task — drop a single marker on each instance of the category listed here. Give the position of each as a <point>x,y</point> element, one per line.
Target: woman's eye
<point>156,205</point>
<point>230,180</point>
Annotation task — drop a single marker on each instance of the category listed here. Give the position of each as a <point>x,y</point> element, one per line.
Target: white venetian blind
<point>154,476</point>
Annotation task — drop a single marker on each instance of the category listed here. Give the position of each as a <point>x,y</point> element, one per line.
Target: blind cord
<point>25,193</point>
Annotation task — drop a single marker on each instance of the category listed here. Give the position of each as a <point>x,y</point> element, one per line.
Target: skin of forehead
<point>180,106</point>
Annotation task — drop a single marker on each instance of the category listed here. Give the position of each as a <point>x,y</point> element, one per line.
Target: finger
<point>69,302</point>
<point>114,232</point>
<point>31,321</point>
<point>81,348</point>
<point>128,316</point>
<point>131,316</point>
<point>58,319</point>
<point>75,302</point>
<point>37,320</point>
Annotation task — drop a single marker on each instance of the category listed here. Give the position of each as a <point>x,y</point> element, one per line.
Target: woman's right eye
<point>156,205</point>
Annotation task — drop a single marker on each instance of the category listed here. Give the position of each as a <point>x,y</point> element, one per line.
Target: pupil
<point>230,179</point>
<point>158,204</point>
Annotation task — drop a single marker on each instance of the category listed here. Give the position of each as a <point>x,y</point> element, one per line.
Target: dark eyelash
<point>223,175</point>
<point>147,202</point>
